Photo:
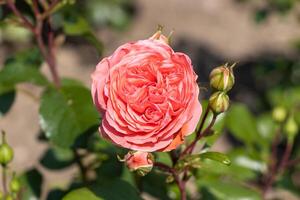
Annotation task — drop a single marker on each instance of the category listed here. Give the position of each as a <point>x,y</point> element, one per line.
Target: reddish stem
<point>276,168</point>
<point>198,134</point>
<point>292,162</point>
<point>4,181</point>
<point>205,132</point>
<point>180,183</point>
<point>25,21</point>
<point>36,8</point>
<point>286,156</point>
<point>48,53</point>
<point>272,167</point>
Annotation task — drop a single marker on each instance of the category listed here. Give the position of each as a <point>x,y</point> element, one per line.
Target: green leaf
<point>231,191</point>
<point>242,124</point>
<point>155,185</point>
<point>163,157</point>
<point>216,156</point>
<point>214,169</point>
<point>57,158</point>
<point>110,168</point>
<point>67,113</point>
<point>120,188</point>
<point>195,160</point>
<point>240,158</point>
<point>6,100</point>
<point>32,182</point>
<point>261,15</point>
<point>56,194</point>
<point>286,182</point>
<point>109,190</point>
<point>80,194</point>
<point>287,97</point>
<point>23,67</point>
<point>78,26</point>
<point>114,13</point>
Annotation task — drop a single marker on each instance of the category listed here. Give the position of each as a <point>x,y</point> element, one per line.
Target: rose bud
<point>221,78</point>
<point>141,162</point>
<point>219,102</point>
<point>14,184</point>
<point>6,152</point>
<point>279,114</point>
<point>291,128</point>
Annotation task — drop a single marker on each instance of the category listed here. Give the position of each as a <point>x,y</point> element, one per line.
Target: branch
<point>25,21</point>
<point>36,8</point>
<point>200,134</point>
<point>47,12</point>
<point>272,167</point>
<point>292,162</point>
<point>48,54</point>
<point>82,168</point>
<point>274,171</point>
<point>180,183</point>
<point>286,156</point>
<point>4,181</point>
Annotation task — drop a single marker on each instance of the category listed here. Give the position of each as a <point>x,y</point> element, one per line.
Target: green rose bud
<point>279,114</point>
<point>222,78</point>
<point>6,152</point>
<point>291,128</point>
<point>14,184</point>
<point>219,102</point>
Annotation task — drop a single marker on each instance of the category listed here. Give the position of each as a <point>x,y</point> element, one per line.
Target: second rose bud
<point>222,78</point>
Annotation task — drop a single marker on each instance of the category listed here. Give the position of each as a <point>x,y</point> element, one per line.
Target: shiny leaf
<point>216,156</point>
<point>67,113</point>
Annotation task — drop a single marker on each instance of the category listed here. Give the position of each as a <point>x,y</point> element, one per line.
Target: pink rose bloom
<point>147,94</point>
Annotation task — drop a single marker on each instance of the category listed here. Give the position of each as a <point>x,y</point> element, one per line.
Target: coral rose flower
<point>147,94</point>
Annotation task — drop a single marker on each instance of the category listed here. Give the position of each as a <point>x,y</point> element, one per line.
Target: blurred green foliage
<point>265,8</point>
<point>69,120</point>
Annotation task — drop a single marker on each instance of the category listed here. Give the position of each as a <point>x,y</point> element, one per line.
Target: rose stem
<point>272,167</point>
<point>37,31</point>
<point>274,171</point>
<point>293,162</point>
<point>4,171</point>
<point>180,183</point>
<point>205,132</point>
<point>199,135</point>
<point>83,170</point>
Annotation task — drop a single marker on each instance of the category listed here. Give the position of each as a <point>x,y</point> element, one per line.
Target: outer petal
<point>99,78</point>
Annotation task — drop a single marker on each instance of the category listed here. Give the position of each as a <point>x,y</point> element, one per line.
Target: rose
<point>139,161</point>
<point>148,95</point>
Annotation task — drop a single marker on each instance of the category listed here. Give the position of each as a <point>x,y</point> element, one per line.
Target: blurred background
<point>263,37</point>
